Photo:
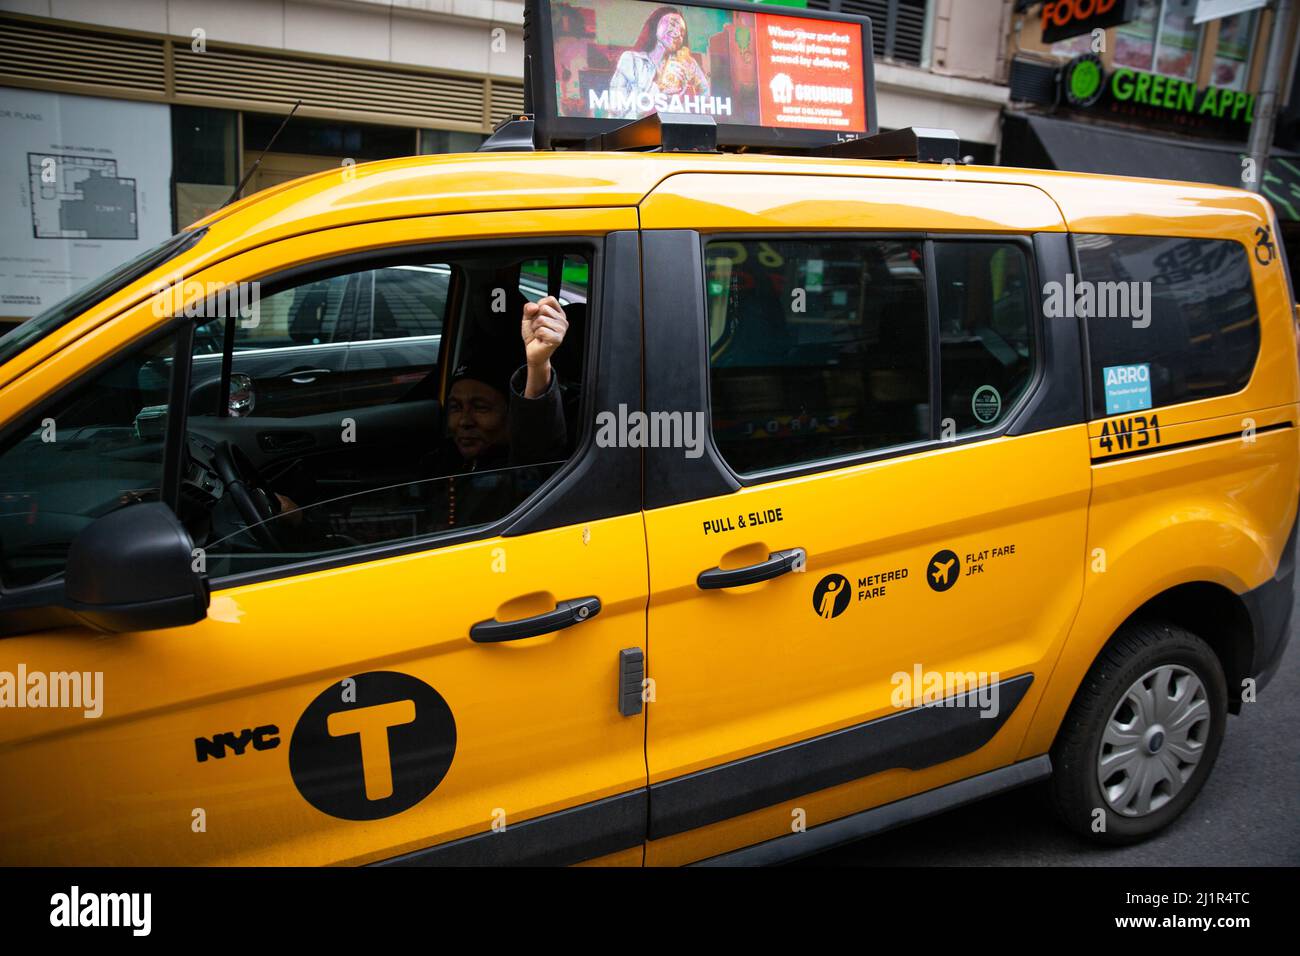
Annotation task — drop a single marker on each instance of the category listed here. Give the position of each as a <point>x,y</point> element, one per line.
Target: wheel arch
<point>1209,609</point>
<point>1215,614</point>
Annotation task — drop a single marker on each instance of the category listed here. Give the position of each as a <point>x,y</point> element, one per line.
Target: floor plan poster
<point>80,197</point>
<point>86,188</point>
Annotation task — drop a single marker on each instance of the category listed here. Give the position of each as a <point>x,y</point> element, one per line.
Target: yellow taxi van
<point>876,487</point>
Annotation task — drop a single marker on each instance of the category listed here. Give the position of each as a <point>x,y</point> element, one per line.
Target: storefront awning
<point>1051,143</point>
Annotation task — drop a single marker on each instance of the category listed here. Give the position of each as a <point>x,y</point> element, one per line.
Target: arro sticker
<point>1128,387</point>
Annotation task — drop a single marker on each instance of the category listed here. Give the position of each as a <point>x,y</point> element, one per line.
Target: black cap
<point>493,370</point>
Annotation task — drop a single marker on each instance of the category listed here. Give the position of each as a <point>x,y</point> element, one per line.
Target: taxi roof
<point>485,182</point>
<point>443,184</point>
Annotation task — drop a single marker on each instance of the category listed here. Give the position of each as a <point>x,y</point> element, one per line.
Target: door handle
<point>305,376</point>
<point>273,442</point>
<point>777,564</point>
<point>566,614</point>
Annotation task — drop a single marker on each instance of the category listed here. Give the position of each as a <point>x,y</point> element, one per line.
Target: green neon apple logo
<point>1085,80</point>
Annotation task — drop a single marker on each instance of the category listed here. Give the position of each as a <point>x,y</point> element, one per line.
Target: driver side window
<point>340,341</point>
<point>391,435</point>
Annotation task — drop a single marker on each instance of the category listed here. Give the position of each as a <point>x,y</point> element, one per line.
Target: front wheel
<point>1141,737</point>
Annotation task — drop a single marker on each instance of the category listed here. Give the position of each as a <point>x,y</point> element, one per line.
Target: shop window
<point>1161,38</point>
<point>1135,41</point>
<point>1179,40</point>
<point>205,148</point>
<point>316,137</point>
<point>1232,51</point>
<point>1073,47</point>
<point>449,141</point>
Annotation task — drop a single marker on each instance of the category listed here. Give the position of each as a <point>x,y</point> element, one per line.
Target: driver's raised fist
<point>542,329</point>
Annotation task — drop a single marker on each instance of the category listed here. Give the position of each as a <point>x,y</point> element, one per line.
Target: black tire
<point>1137,649</point>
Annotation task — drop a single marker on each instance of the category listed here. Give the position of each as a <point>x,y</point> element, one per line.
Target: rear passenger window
<point>986,337</point>
<point>817,349</point>
<point>1190,329</point>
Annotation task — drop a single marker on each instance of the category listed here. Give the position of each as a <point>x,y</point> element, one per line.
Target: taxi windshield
<point>63,312</point>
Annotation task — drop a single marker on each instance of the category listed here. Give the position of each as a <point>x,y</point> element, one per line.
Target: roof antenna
<point>252,169</point>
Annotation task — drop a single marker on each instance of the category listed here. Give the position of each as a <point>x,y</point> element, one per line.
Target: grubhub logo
<point>782,88</point>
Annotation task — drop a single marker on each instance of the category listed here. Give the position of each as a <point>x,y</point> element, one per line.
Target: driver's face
<point>671,30</point>
<point>476,417</point>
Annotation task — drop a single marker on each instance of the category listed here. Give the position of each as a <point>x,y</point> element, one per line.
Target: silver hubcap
<point>1153,741</point>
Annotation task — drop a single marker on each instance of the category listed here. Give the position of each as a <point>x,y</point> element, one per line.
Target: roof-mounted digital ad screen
<point>768,75</point>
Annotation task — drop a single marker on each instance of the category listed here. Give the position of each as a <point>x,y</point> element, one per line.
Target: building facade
<point>126,121</point>
<point>939,63</point>
<point>1144,89</point>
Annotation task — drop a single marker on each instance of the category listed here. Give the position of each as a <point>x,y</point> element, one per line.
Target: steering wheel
<point>256,504</point>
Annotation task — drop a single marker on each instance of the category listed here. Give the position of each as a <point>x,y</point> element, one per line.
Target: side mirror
<point>132,570</point>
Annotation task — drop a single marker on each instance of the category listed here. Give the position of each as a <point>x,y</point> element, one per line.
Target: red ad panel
<point>810,73</point>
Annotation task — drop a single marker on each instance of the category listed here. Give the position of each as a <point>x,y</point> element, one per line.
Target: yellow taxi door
<point>886,510</point>
<point>335,708</point>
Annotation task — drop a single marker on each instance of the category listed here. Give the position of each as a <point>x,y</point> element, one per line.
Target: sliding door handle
<point>777,564</point>
<point>566,614</point>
